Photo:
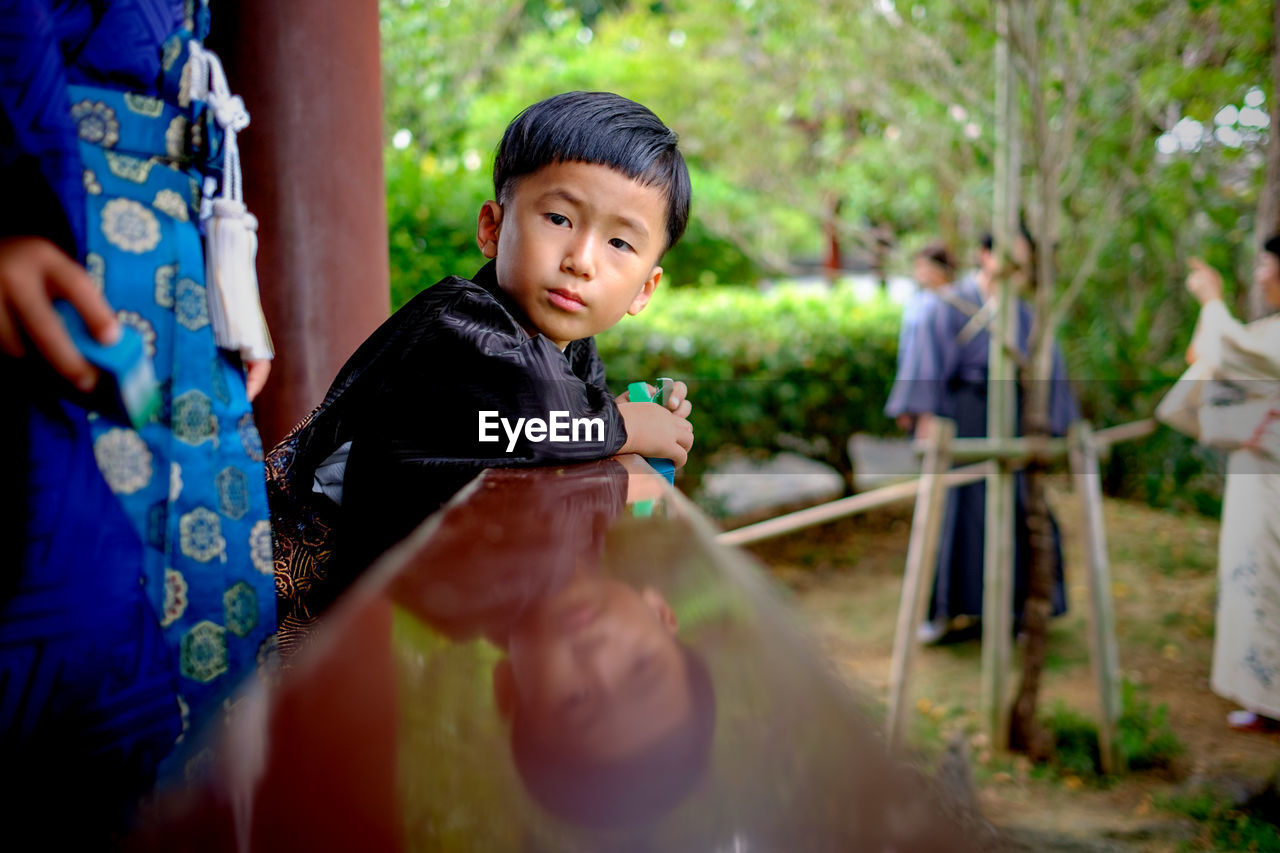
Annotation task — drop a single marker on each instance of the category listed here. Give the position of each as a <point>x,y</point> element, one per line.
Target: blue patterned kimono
<point>137,590</point>
<point>940,375</point>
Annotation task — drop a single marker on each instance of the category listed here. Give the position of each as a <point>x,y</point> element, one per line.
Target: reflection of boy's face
<point>596,670</point>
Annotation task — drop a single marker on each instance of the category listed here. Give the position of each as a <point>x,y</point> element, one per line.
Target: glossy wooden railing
<point>560,659</point>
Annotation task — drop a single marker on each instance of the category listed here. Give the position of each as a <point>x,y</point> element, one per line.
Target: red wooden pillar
<point>310,76</point>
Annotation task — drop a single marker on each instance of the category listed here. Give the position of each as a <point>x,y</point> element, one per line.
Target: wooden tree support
<point>844,507</point>
<point>997,604</point>
<point>1102,620</point>
<point>922,562</point>
<point>1084,448</point>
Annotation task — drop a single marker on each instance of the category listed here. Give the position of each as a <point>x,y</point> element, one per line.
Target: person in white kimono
<point>1239,411</point>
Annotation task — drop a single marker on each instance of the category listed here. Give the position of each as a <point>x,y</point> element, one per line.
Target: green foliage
<point>432,205</point>
<point>1223,826</point>
<point>1075,742</point>
<point>705,256</point>
<point>812,364</point>
<point>1146,740</point>
<point>1166,470</point>
<point>868,120</point>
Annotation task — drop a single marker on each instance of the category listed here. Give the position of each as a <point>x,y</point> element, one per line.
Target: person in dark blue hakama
<point>943,372</point>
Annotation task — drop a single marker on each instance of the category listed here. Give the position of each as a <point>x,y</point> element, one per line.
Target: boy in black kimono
<point>501,370</point>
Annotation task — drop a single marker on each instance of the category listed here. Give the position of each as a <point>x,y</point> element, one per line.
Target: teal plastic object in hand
<point>639,393</point>
<point>127,387</point>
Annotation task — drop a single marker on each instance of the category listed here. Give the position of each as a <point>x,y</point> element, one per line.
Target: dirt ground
<point>845,578</point>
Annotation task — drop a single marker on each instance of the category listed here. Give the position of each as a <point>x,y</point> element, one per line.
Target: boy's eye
<point>557,219</point>
<point>619,243</point>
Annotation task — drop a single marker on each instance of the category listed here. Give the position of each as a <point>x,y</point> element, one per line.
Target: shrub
<point>431,219</point>
<point>804,368</point>
<point>1145,738</point>
<point>1224,825</point>
<point>793,366</point>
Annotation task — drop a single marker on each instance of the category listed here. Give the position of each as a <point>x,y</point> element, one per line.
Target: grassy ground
<point>845,578</point>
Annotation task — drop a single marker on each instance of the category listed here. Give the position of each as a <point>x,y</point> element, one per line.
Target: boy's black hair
<point>598,128</point>
<point>1272,245</point>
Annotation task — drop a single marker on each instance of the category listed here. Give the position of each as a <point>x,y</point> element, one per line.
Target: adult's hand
<point>33,273</point>
<point>256,372</point>
<point>1204,282</point>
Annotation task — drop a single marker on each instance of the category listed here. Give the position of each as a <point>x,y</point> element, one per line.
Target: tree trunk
<point>1025,731</point>
<point>831,260</point>
<point>997,578</point>
<point>1268,217</point>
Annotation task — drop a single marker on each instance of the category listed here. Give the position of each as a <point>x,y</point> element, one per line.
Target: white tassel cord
<point>231,241</point>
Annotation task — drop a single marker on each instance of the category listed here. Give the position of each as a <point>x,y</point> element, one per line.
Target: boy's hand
<point>656,431</point>
<point>33,273</point>
<point>677,398</point>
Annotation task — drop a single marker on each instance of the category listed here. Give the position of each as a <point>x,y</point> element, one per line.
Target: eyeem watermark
<point>557,427</point>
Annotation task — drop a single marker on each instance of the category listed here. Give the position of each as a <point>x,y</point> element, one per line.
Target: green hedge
<point>804,369</point>
<point>812,366</point>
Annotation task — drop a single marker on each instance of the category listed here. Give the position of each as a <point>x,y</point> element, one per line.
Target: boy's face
<point>577,246</point>
<point>597,670</point>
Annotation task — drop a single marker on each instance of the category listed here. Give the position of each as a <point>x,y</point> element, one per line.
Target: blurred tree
<point>1154,126</point>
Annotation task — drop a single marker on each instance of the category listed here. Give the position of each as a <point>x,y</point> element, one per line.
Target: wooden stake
<point>1102,621</point>
<point>997,606</point>
<point>917,581</point>
<point>852,505</point>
